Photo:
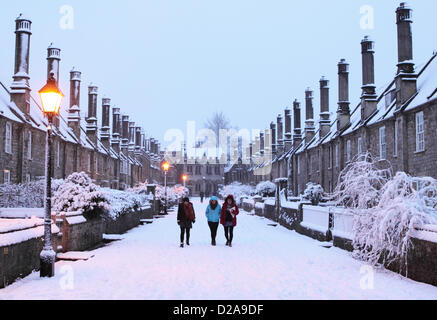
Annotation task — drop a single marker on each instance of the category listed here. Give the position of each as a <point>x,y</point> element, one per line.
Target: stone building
<point>117,158</point>
<point>397,123</point>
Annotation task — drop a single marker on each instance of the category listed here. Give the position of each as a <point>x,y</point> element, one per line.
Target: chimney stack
<point>406,80</point>
<point>310,129</point>
<point>138,140</point>
<point>288,141</point>
<point>280,128</point>
<point>297,136</point>
<point>91,126</point>
<point>53,61</point>
<point>131,137</point>
<point>343,112</point>
<point>273,137</point>
<point>261,143</point>
<point>105,133</point>
<point>124,134</point>
<point>20,88</point>
<point>74,110</point>
<point>368,97</point>
<point>325,121</point>
<point>116,129</point>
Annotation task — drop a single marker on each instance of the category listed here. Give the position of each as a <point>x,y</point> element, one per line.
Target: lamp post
<point>165,167</point>
<point>51,98</point>
<point>185,178</point>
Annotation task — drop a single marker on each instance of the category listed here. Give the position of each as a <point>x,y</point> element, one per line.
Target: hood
<point>213,198</point>
<point>230,197</point>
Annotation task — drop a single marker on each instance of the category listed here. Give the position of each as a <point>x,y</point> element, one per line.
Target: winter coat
<point>234,211</point>
<point>182,217</point>
<point>213,215</point>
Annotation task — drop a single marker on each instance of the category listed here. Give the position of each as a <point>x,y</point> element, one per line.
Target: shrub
<point>266,189</point>
<point>78,193</point>
<point>314,193</point>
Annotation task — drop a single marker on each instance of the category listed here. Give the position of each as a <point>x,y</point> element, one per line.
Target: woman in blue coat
<point>213,215</point>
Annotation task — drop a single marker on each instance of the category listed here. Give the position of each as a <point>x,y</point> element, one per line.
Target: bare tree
<point>217,122</point>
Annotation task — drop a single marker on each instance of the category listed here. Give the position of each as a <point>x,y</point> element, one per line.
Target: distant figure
<point>228,218</point>
<point>213,212</point>
<point>186,218</point>
<point>202,196</point>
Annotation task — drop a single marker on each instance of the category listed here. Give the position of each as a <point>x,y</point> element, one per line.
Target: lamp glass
<point>51,101</point>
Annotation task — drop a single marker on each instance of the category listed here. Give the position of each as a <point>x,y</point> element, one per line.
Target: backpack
<point>189,212</point>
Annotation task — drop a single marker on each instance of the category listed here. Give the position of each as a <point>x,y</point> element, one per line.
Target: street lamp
<point>51,98</point>
<point>185,178</point>
<point>165,167</point>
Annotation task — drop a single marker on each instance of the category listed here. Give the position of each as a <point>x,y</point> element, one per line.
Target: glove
<point>194,221</point>
<point>179,222</point>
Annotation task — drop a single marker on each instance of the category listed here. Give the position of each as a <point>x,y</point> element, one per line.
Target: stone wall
<point>19,259</point>
<point>122,223</point>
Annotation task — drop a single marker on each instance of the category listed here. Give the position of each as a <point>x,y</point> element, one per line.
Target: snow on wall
<point>21,213</point>
<point>343,224</point>
<point>316,218</point>
<point>426,233</point>
<point>290,205</point>
<point>10,225</point>
<point>7,239</point>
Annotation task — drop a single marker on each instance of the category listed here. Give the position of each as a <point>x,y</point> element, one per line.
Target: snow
<point>426,233</point>
<point>290,205</point>
<point>10,225</point>
<point>75,255</point>
<point>21,212</point>
<point>316,218</point>
<point>11,238</point>
<point>265,263</point>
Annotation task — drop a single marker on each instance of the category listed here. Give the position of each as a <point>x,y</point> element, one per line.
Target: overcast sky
<point>164,62</point>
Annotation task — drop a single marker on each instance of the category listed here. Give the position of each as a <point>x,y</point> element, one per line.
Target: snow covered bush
<point>123,202</point>
<point>173,193</point>
<point>266,189</point>
<point>386,209</point>
<point>78,193</point>
<point>313,193</point>
<point>238,190</point>
<point>26,195</point>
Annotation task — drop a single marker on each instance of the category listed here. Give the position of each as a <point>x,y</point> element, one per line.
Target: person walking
<point>186,218</point>
<point>213,213</point>
<point>202,195</point>
<point>228,218</point>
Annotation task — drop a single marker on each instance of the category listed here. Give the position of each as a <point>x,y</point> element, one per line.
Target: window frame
<point>29,146</point>
<point>348,151</point>
<point>8,138</point>
<point>383,143</point>
<point>420,132</point>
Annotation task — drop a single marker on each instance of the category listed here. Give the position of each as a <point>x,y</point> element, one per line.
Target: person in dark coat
<point>202,196</point>
<point>228,218</point>
<point>186,218</point>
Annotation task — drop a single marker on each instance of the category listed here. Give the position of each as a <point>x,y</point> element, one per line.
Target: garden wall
<point>20,248</point>
<point>122,223</point>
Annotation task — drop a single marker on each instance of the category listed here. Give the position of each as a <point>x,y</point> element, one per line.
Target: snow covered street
<point>265,263</point>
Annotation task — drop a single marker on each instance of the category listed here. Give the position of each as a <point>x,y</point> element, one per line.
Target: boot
<point>213,243</point>
<point>230,244</point>
<point>227,243</point>
<point>188,242</point>
<point>182,245</point>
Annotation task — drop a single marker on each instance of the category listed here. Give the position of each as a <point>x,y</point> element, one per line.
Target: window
<point>310,163</point>
<point>189,169</point>
<point>348,151</point>
<point>337,156</point>
<point>8,140</point>
<point>58,154</point>
<point>198,170</point>
<point>298,165</point>
<point>6,177</point>
<point>382,144</point>
<point>89,162</point>
<point>420,132</point>
<point>29,146</point>
<point>217,170</point>
<point>197,187</point>
<point>97,164</point>
<point>330,157</point>
<point>28,178</point>
<point>396,136</point>
<point>360,146</point>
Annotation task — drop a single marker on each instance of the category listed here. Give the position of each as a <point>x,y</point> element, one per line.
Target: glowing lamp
<point>51,97</point>
<point>165,166</point>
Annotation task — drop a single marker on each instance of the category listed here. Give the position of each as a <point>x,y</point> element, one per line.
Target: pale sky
<point>164,62</point>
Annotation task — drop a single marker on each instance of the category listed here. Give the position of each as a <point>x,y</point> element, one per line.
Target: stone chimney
<point>74,110</point>
<point>261,143</point>
<point>131,137</point>
<point>273,137</point>
<point>297,136</point>
<point>325,121</point>
<point>368,97</point>
<point>343,112</point>
<point>310,129</point>
<point>138,140</point>
<point>125,134</point>
<point>280,128</point>
<point>20,88</point>
<point>406,80</point>
<point>105,131</point>
<point>91,120</point>
<point>116,130</point>
<point>288,141</point>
